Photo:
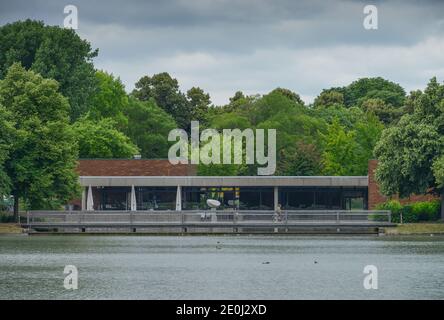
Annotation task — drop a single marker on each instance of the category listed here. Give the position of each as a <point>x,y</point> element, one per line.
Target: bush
<point>427,210</point>
<point>394,206</point>
<point>415,212</point>
<point>408,216</point>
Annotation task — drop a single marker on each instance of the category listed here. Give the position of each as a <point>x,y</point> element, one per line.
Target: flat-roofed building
<point>114,184</point>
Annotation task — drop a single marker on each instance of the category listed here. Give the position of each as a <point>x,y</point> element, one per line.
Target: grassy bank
<point>416,228</point>
<point>7,228</point>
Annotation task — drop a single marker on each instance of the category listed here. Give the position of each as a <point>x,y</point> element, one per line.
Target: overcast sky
<point>255,45</point>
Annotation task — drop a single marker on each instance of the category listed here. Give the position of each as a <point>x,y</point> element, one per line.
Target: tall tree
<point>199,102</point>
<point>372,88</point>
<point>165,91</point>
<point>148,127</point>
<point>410,153</point>
<point>339,151</point>
<point>53,52</point>
<point>7,137</point>
<point>109,100</point>
<point>42,160</point>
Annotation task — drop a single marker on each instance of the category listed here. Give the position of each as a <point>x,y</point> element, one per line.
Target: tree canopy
<point>148,127</point>
<point>410,153</point>
<point>43,156</point>
<point>109,100</point>
<point>164,90</point>
<point>99,139</point>
<point>55,53</point>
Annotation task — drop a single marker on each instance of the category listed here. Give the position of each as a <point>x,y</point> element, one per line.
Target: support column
<point>179,198</point>
<point>276,198</point>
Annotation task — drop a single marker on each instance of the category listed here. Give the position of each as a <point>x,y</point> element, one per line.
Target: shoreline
<point>405,229</point>
<point>10,228</point>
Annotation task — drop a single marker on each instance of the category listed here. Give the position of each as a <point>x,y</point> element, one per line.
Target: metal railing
<point>206,218</point>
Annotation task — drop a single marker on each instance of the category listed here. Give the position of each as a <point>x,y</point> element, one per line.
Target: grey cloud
<point>255,45</point>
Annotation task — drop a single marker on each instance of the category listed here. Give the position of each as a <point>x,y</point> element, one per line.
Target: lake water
<point>221,267</point>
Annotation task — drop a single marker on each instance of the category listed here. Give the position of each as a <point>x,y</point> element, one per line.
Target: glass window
<point>256,198</point>
<point>156,198</point>
<point>114,198</point>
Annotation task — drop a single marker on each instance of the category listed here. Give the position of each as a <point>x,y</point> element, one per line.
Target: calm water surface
<point>154,267</point>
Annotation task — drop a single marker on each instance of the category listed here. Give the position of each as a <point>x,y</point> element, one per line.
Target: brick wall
<point>375,197</point>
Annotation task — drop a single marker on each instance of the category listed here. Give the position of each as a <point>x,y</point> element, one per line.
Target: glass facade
<point>194,198</point>
<point>256,198</point>
<point>113,198</point>
<point>233,198</point>
<point>323,198</point>
<point>156,198</point>
<point>243,198</point>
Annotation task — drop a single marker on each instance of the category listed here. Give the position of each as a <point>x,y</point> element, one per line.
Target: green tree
<point>372,88</point>
<point>293,96</point>
<point>53,52</point>
<point>109,100</point>
<point>165,91</point>
<point>410,153</point>
<point>7,137</point>
<point>301,160</point>
<point>385,112</point>
<point>100,139</point>
<point>43,158</point>
<point>271,104</point>
<point>339,151</point>
<point>368,132</point>
<point>438,171</point>
<point>329,98</point>
<point>199,102</point>
<point>148,128</point>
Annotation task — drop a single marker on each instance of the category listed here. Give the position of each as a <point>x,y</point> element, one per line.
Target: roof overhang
<point>226,181</point>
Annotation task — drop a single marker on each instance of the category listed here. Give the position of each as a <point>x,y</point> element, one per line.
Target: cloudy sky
<point>255,45</point>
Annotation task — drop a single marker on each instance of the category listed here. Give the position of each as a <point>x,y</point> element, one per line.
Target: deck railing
<point>205,218</point>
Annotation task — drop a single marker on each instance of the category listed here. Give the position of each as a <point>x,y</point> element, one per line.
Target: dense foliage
<point>410,153</point>
<point>415,212</point>
<point>42,156</point>
<point>55,53</point>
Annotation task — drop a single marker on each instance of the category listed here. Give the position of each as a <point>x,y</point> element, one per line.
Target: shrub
<point>408,216</point>
<point>394,206</point>
<point>415,212</point>
<point>427,210</point>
